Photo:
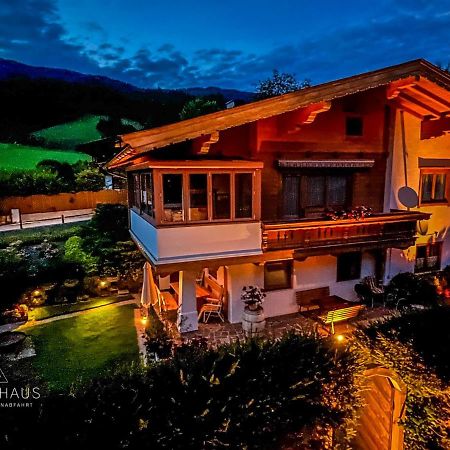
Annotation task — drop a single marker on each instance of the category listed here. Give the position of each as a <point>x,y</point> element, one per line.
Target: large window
<point>278,275</point>
<point>428,257</point>
<point>198,196</point>
<point>310,195</point>
<point>243,186</point>
<point>433,187</point>
<point>172,197</point>
<point>349,266</point>
<point>221,197</point>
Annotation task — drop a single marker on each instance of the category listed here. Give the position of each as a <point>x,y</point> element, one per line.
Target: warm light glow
<point>339,337</point>
<point>103,284</point>
<point>36,293</point>
<point>144,320</point>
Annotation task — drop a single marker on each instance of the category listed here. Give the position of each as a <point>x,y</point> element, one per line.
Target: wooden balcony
<point>395,229</point>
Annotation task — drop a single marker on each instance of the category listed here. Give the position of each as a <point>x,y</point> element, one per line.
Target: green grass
<point>33,236</point>
<point>80,348</point>
<point>70,134</point>
<point>44,312</point>
<point>22,157</point>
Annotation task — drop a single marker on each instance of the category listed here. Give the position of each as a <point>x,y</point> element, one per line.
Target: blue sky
<point>176,44</point>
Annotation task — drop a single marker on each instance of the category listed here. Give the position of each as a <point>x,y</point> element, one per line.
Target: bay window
<point>197,194</point>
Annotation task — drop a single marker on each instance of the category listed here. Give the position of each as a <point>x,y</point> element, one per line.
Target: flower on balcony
<point>357,213</point>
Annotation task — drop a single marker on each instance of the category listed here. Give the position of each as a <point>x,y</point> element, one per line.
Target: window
<point>198,196</point>
<point>221,198</point>
<point>146,194</point>
<point>278,275</point>
<point>433,187</point>
<point>311,195</point>
<point>428,257</point>
<point>354,126</point>
<point>172,197</point>
<point>141,197</point>
<point>243,186</point>
<point>349,266</point>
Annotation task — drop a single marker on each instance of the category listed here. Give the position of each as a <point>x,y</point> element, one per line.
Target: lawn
<point>15,156</point>
<point>31,236</point>
<point>44,312</point>
<point>70,134</point>
<point>82,347</point>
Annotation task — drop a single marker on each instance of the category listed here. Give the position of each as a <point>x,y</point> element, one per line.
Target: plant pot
<point>253,321</point>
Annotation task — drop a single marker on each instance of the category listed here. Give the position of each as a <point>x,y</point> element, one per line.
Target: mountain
<point>12,69</point>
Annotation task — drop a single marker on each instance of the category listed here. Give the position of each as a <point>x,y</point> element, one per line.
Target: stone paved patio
<point>218,333</point>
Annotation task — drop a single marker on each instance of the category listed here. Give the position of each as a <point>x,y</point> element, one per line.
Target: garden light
<point>339,338</point>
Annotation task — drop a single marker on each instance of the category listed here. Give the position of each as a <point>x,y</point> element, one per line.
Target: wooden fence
<point>61,202</point>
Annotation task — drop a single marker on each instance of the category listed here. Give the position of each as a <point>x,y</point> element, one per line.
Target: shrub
<point>73,252</point>
<point>244,395</point>
<point>404,345</point>
<point>89,179</point>
<point>415,289</point>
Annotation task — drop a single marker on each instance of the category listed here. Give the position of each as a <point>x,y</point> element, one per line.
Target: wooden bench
<point>308,300</point>
<point>339,315</point>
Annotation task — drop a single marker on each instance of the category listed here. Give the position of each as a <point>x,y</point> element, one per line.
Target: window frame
<point>290,272</point>
<point>428,246</point>
<point>434,173</point>
<point>158,194</point>
<point>340,277</point>
<point>313,211</point>
<point>349,117</point>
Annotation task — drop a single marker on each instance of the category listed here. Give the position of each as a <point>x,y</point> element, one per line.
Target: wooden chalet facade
<point>248,192</point>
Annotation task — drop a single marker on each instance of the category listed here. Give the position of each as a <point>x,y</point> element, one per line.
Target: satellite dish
<point>408,197</point>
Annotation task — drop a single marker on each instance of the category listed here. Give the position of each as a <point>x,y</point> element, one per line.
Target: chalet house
<point>250,193</point>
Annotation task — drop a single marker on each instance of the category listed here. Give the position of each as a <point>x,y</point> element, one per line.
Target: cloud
<point>32,32</point>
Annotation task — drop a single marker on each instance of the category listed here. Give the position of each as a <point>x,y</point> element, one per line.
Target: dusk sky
<point>233,44</point>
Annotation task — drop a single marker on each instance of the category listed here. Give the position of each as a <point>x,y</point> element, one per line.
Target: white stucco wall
<point>197,242</point>
<point>314,272</point>
<point>439,224</point>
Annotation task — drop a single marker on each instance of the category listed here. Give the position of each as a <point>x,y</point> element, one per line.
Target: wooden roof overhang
<point>194,165</point>
<point>417,86</point>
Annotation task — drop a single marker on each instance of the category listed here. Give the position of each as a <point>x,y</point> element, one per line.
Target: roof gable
<point>140,142</point>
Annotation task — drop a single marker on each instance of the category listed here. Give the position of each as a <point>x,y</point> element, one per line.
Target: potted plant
<point>253,319</point>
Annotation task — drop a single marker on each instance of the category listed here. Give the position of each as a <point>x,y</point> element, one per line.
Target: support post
<point>187,310</point>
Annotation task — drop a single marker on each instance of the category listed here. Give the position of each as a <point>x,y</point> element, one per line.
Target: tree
<point>278,84</point>
<point>198,107</point>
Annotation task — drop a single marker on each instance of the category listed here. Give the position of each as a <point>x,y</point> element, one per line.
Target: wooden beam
<point>396,87</point>
<point>432,96</point>
<point>213,138</point>
<point>416,103</point>
<point>434,128</point>
<point>404,106</point>
<point>304,116</point>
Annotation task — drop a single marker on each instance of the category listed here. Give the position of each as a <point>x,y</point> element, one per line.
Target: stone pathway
<point>217,333</point>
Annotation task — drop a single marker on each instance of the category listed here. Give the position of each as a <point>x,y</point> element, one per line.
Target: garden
<point>297,391</point>
<point>50,271</point>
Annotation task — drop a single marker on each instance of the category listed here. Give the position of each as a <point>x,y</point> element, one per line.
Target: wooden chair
<point>338,315</point>
<point>212,308</point>
<point>213,305</point>
<point>376,289</point>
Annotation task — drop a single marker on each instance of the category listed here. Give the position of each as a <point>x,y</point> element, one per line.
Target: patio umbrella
<point>148,295</point>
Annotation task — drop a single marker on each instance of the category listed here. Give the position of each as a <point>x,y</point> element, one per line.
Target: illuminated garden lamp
<point>36,293</point>
<point>339,338</point>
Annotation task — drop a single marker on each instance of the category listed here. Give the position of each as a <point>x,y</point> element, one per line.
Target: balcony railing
<point>397,229</point>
